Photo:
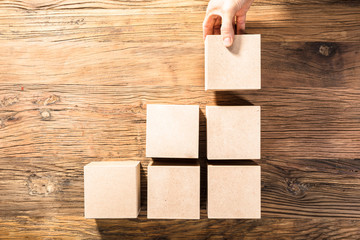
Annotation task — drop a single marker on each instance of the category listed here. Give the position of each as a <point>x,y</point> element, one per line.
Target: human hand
<point>221,16</point>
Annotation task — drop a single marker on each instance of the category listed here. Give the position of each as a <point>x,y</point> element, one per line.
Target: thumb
<point>227,29</point>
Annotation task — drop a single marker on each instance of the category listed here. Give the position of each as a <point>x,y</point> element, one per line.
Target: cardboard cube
<point>233,132</point>
<point>173,190</point>
<point>172,131</point>
<point>236,67</point>
<point>112,189</point>
<point>234,189</point>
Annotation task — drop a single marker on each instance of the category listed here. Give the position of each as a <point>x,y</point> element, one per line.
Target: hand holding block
<point>172,131</point>
<point>112,189</point>
<point>233,132</point>
<point>234,189</point>
<point>173,190</point>
<point>236,67</point>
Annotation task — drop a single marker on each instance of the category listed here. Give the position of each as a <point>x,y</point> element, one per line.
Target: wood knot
<point>45,114</point>
<point>52,99</point>
<point>327,50</point>
<point>295,187</point>
<point>11,118</point>
<point>8,101</point>
<point>41,185</point>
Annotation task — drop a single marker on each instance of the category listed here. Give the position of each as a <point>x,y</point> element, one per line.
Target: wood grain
<point>79,228</point>
<point>75,78</point>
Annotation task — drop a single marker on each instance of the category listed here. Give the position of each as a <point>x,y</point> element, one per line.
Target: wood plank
<point>306,123</point>
<point>164,21</point>
<point>296,64</point>
<point>303,188</point>
<point>109,4</point>
<point>79,228</point>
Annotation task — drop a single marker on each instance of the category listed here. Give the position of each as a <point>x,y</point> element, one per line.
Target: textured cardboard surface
<point>233,132</point>
<point>172,131</point>
<point>236,67</point>
<point>112,189</point>
<point>234,189</point>
<point>173,190</point>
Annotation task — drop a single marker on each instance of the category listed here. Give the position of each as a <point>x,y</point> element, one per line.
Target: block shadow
<point>203,161</point>
<point>119,228</point>
<point>233,162</point>
<point>143,187</point>
<point>231,98</point>
<point>173,161</point>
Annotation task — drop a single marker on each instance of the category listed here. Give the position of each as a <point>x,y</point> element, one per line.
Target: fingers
<point>217,25</point>
<point>240,24</point>
<point>227,30</point>
<point>208,25</point>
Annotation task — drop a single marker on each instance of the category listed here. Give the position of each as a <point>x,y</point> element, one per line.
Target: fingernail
<point>227,42</point>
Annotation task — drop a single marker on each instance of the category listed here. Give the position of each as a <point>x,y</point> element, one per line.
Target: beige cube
<point>233,132</point>
<point>234,189</point>
<point>173,190</point>
<point>236,67</point>
<point>172,131</point>
<point>112,189</point>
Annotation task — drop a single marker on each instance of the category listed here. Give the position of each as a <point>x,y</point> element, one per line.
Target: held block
<point>233,68</point>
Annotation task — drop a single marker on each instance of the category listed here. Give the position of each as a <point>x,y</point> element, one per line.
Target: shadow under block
<point>172,131</point>
<point>234,190</point>
<point>112,189</point>
<point>233,68</point>
<point>173,191</point>
<point>233,132</point>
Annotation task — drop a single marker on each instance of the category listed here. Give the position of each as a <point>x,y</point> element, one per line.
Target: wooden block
<point>234,189</point>
<point>174,190</point>
<point>233,132</point>
<point>112,189</point>
<point>236,67</point>
<point>172,131</point>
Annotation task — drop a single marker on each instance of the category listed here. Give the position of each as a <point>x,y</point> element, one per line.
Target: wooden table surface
<point>75,78</point>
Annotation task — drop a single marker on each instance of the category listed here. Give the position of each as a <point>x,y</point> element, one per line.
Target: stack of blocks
<point>233,132</point>
<point>112,189</point>
<point>172,131</point>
